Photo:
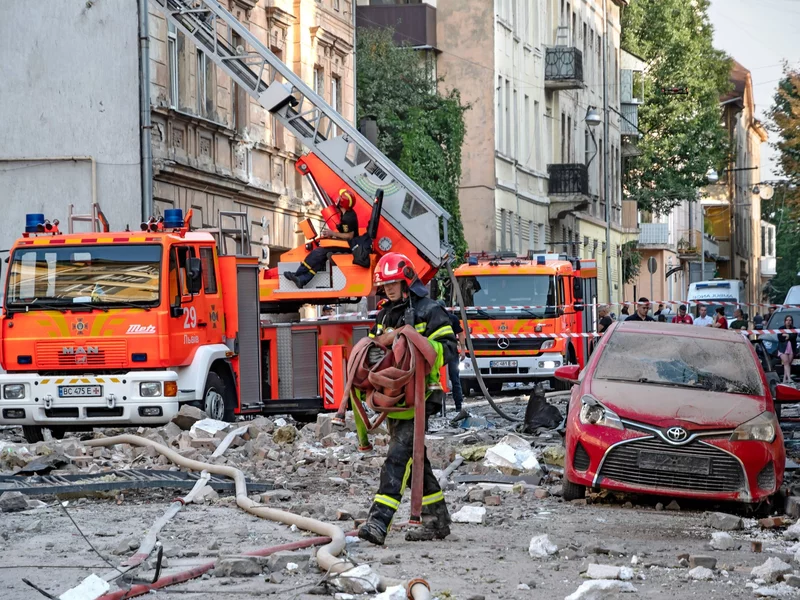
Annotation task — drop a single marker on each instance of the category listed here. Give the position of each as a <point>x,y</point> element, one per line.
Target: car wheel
<point>217,399</point>
<point>33,434</point>
<point>572,491</point>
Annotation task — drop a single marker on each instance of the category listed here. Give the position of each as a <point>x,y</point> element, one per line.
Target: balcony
<point>563,68</point>
<point>413,24</point>
<point>653,235</point>
<point>629,120</point>
<point>689,243</point>
<point>568,188</point>
<point>768,266</point>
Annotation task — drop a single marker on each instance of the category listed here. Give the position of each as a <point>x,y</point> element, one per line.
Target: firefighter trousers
<point>315,261</point>
<point>396,474</point>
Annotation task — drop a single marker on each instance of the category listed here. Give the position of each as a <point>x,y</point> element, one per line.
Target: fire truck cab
<point>521,313</point>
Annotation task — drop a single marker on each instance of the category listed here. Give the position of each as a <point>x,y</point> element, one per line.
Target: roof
<point>525,268</point>
<point>655,328</point>
<point>739,78</point>
<point>113,237</point>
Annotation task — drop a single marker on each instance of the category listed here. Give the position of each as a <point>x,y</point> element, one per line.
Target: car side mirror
<point>783,393</point>
<point>194,275</point>
<point>568,373</point>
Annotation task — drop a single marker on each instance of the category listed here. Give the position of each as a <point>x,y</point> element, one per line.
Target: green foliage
<point>783,209</point>
<point>420,130</point>
<point>683,136</point>
<point>631,261</point>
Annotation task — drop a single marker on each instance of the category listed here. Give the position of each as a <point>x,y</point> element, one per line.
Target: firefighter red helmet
<point>394,267</point>
<point>346,199</point>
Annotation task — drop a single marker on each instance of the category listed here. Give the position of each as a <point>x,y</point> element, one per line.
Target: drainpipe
<point>606,152</point>
<point>145,124</point>
<point>355,74</point>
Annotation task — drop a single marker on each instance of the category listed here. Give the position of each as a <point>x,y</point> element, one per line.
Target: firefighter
<point>395,273</point>
<point>346,230</point>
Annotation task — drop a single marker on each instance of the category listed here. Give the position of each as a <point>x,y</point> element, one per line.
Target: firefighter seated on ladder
<point>395,273</point>
<point>346,230</point>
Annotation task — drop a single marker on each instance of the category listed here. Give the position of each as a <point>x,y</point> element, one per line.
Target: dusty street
<point>326,477</point>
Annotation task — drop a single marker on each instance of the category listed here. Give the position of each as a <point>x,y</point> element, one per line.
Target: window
<point>536,134</point>
<point>239,99</point>
<point>527,127</point>
<point>515,120</point>
<point>586,151</point>
<point>508,117</point>
<point>319,81</point>
<point>205,85</point>
<point>209,270</point>
<point>536,291</point>
<point>172,57</point>
<point>570,149</point>
<point>563,138</point>
<point>178,282</point>
<point>336,100</point>
<point>336,5</point>
<point>499,116</point>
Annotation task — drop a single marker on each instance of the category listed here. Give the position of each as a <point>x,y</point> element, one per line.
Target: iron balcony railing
<point>563,67</point>
<point>568,179</point>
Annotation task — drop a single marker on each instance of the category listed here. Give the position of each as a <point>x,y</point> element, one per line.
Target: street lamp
<point>712,176</point>
<point>593,118</point>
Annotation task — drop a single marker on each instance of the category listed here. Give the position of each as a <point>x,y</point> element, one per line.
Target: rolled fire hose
<point>417,589</point>
<point>474,360</point>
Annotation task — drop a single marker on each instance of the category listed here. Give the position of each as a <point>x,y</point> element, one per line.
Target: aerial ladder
<point>402,216</point>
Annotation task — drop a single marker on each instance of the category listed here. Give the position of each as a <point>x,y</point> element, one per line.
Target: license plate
<point>502,363</point>
<point>80,391</point>
<point>675,463</point>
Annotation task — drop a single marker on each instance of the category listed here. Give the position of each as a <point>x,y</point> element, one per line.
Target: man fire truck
<point>107,328</point>
<point>518,309</point>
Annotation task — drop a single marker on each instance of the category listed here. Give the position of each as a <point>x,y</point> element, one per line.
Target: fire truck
<point>122,328</point>
<point>522,313</point>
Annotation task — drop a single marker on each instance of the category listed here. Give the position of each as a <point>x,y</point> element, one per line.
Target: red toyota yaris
<point>674,410</point>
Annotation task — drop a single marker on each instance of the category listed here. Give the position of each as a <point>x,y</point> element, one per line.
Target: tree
<point>783,209</point>
<point>681,114</point>
<point>420,130</point>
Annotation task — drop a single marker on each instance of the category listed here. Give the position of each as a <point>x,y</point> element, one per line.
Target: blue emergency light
<point>33,221</point>
<point>173,218</point>
<point>540,260</point>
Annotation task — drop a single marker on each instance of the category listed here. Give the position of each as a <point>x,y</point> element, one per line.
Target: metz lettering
<point>137,329</point>
<point>191,339</point>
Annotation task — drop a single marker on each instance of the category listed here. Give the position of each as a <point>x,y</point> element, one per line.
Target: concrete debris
<point>239,566</point>
<point>771,522</point>
<point>771,571</point>
<point>723,541</point>
<point>792,506</point>
<point>512,456</point>
<point>554,455</point>
<point>724,521</point>
<point>208,428</point>
<point>395,592</point>
<point>792,580</point>
<point>13,502</point>
<point>541,546</point>
<point>187,416</point>
<point>792,533</point>
<point>595,571</point>
<point>280,561</point>
<point>701,574</point>
<point>358,580</point>
<point>285,435</point>
<point>601,589</point>
<point>708,562</point>
<point>90,588</point>
<point>780,590</point>
<point>469,514</point>
<point>673,505</point>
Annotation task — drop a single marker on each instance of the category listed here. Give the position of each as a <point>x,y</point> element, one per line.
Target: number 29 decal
<point>190,322</point>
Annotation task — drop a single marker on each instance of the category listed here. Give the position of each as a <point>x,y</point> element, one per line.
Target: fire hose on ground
<point>417,589</point>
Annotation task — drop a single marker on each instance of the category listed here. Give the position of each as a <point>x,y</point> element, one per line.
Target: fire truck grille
<point>513,344</point>
<point>62,355</point>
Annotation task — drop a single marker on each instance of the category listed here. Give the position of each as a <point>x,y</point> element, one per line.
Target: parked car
<point>770,340</point>
<point>690,416</point>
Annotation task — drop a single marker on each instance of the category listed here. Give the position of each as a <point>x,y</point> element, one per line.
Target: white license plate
<point>80,391</point>
<point>502,363</point>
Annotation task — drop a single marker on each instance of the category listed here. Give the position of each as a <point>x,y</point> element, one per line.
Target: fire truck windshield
<point>58,277</point>
<point>504,296</point>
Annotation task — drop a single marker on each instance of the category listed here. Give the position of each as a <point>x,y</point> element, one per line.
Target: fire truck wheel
<point>216,399</point>
<point>33,434</point>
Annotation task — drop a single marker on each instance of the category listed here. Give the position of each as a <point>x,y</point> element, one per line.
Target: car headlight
<point>14,391</point>
<point>150,389</point>
<point>760,429</point>
<point>547,344</point>
<point>594,413</point>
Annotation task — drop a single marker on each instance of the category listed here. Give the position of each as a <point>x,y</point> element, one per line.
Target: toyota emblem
<point>503,343</point>
<point>677,434</point>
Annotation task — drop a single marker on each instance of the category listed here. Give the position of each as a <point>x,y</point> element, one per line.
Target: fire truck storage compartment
<point>304,364</point>
<point>249,335</point>
<point>359,333</point>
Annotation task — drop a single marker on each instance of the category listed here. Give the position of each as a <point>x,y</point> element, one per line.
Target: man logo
<point>677,434</point>
<point>136,329</point>
<point>503,343</point>
<point>77,350</point>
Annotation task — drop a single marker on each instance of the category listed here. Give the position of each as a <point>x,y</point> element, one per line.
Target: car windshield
<point>704,363</point>
<point>52,276</point>
<point>729,304</point>
<point>538,291</point>
<point>776,320</point>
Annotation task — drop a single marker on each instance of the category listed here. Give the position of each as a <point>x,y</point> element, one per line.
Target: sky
<point>760,34</point>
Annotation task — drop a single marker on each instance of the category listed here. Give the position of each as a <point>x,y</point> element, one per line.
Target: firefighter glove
<point>375,354</point>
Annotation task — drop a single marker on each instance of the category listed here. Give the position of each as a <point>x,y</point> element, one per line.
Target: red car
<point>674,410</point>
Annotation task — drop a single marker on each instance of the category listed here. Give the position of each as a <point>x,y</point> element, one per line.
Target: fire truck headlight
<point>547,344</point>
<point>14,391</point>
<point>150,389</point>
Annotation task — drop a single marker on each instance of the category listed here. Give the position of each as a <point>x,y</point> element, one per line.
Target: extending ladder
<point>309,118</point>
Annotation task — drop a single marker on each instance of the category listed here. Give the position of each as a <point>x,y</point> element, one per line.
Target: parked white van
<point>714,292</point>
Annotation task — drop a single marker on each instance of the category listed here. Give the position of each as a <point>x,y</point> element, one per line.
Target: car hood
<point>666,406</point>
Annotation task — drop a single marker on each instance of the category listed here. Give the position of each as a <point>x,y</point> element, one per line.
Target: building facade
<point>214,148</point>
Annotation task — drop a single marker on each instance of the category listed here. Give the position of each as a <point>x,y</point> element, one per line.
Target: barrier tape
<point>609,304</point>
<point>514,336</point>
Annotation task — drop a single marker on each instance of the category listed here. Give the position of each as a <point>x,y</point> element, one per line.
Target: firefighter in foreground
<point>406,297</point>
<point>346,230</point>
